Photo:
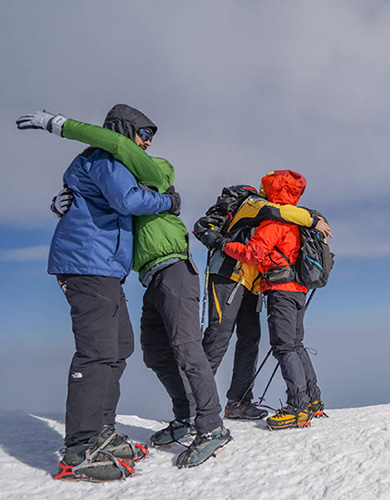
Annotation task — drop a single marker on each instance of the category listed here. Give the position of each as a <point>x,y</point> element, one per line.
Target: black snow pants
<point>223,318</point>
<point>286,311</point>
<point>104,340</point>
<point>171,343</point>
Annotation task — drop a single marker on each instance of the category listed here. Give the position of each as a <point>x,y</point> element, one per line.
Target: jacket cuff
<point>315,221</point>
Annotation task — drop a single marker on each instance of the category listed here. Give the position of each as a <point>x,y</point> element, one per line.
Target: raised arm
<point>141,165</point>
<point>146,169</point>
<point>253,213</point>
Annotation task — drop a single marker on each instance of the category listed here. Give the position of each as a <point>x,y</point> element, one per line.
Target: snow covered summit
<point>346,456</point>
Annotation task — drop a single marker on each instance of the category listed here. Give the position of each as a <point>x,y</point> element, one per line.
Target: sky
<point>343,457</point>
<point>237,89</point>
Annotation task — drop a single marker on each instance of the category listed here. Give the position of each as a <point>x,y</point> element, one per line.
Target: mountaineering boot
<point>203,447</point>
<point>317,407</point>
<point>91,462</point>
<point>176,430</point>
<point>288,417</point>
<point>121,446</point>
<point>244,410</point>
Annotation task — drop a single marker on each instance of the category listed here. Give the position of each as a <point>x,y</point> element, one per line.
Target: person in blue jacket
<point>91,254</point>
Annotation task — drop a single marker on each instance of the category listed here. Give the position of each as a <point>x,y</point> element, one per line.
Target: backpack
<point>314,263</point>
<point>219,216</point>
<point>315,260</point>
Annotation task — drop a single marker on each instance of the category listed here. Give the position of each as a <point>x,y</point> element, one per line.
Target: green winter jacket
<point>156,237</point>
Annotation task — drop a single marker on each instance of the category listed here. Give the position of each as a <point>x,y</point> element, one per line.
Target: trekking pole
<point>255,375</point>
<point>309,299</point>
<point>262,397</point>
<point>206,285</point>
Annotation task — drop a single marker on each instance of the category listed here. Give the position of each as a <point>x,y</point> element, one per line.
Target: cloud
<point>27,254</point>
<point>261,86</point>
<point>352,243</point>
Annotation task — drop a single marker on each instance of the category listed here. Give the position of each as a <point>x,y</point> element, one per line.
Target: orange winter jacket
<point>283,187</point>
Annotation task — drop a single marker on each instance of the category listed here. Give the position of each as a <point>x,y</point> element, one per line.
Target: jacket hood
<point>283,186</point>
<point>127,120</point>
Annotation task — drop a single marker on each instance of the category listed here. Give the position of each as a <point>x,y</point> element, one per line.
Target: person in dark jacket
<point>233,294</point>
<point>91,254</point>
<point>274,245</point>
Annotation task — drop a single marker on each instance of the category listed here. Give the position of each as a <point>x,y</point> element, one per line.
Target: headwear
<point>127,120</point>
<point>283,186</point>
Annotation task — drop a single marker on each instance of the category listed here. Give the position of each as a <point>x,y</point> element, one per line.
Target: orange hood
<point>284,186</point>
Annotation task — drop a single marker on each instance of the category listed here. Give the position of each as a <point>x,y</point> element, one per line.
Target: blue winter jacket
<point>96,236</point>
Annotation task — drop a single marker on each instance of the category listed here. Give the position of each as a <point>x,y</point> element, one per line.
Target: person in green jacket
<point>170,330</point>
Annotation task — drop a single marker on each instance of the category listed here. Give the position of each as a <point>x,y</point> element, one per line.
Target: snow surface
<point>346,456</point>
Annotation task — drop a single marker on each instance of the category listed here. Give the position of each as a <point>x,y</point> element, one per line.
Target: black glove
<point>221,242</point>
<point>175,199</point>
<point>207,224</point>
<point>62,202</point>
<point>209,238</point>
<point>214,240</point>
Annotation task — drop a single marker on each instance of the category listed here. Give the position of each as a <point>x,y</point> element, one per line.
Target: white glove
<point>42,119</point>
<point>62,202</point>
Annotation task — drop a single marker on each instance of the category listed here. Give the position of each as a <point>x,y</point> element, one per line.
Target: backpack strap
<point>281,274</point>
<point>283,255</point>
<point>234,291</point>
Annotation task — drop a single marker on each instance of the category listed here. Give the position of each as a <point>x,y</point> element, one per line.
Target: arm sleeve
<point>253,213</point>
<point>122,192</point>
<point>141,165</point>
<point>258,247</point>
<point>295,215</point>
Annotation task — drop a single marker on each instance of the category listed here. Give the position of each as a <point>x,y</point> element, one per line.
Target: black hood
<point>127,120</point>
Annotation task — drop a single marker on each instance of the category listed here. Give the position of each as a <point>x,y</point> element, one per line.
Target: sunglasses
<point>145,134</point>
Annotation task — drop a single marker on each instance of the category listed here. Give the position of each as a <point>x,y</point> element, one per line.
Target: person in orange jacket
<point>272,246</point>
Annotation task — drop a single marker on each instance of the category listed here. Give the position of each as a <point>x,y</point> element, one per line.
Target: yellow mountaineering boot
<point>317,407</point>
<point>288,417</point>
